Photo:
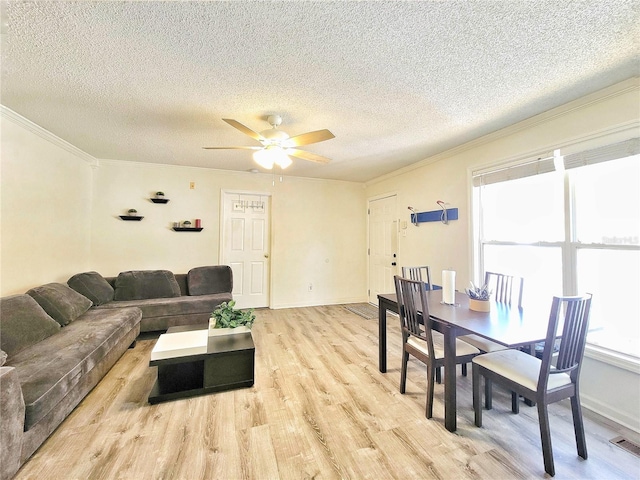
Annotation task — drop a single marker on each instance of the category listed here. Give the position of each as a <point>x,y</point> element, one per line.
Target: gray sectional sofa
<point>166,300</point>
<point>58,341</point>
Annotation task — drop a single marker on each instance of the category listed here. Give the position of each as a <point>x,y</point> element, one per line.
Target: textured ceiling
<point>394,81</point>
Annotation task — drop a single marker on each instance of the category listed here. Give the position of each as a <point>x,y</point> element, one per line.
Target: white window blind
<point>544,164</point>
<point>607,153</point>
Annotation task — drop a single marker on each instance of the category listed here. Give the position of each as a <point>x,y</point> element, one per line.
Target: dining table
<point>511,326</point>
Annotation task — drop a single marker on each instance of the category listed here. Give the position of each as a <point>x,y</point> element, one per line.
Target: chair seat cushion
<point>462,348</point>
<point>482,343</point>
<point>521,368</point>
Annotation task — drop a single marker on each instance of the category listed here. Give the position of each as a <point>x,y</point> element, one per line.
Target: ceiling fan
<point>278,145</point>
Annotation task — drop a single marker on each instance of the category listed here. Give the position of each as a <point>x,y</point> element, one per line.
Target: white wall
<point>318,227</point>
<point>45,207</point>
<point>612,113</point>
<point>60,216</point>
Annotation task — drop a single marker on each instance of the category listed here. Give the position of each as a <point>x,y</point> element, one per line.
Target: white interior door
<point>246,247</point>
<point>383,245</point>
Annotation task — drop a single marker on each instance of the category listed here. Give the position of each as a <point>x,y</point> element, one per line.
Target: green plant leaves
<point>228,317</point>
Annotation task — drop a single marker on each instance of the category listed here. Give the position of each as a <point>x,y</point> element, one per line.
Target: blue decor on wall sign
<point>434,216</point>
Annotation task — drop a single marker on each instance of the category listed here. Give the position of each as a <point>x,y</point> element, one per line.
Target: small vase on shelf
<point>159,198</point>
<point>132,214</point>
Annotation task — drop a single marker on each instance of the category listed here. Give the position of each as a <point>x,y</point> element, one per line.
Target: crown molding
<point>270,176</point>
<point>18,119</point>
<point>621,88</point>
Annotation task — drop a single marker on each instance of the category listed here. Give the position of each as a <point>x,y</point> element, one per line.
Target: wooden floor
<point>319,409</point>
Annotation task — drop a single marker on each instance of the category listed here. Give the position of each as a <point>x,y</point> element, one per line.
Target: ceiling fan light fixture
<point>273,135</point>
<point>271,155</point>
<point>264,158</point>
<point>278,146</point>
<point>283,160</point>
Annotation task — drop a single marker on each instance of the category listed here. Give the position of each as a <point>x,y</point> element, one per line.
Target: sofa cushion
<point>23,323</point>
<point>210,280</point>
<point>93,286</point>
<point>3,357</point>
<point>175,306</point>
<point>142,284</point>
<point>50,370</point>
<point>62,303</point>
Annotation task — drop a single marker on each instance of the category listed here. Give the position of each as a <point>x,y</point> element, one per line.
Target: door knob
<point>266,255</point>
<point>393,264</point>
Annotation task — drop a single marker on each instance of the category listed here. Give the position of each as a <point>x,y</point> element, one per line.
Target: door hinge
<point>368,211</point>
<point>368,251</point>
<point>368,293</point>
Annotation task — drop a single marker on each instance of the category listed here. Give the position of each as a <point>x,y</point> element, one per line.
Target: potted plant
<point>159,194</point>
<point>132,212</point>
<point>230,319</point>
<point>186,224</point>
<point>479,298</point>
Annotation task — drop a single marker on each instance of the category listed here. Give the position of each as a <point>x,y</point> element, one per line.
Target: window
<point>569,231</point>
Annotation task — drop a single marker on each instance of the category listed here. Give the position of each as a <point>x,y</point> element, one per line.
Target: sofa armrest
<point>11,422</point>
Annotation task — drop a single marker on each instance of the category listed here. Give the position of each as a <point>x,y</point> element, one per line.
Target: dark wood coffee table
<point>191,362</point>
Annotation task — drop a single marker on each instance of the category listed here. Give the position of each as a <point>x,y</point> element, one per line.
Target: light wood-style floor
<point>319,409</point>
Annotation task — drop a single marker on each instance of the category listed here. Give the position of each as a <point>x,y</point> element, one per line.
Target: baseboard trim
<point>321,302</point>
<point>628,421</point>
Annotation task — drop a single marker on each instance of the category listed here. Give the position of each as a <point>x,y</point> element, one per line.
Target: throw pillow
<point>93,286</point>
<point>210,280</point>
<point>23,323</point>
<point>3,357</point>
<point>62,303</point>
<point>143,284</point>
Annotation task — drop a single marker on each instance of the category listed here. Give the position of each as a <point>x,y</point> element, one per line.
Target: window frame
<point>569,245</point>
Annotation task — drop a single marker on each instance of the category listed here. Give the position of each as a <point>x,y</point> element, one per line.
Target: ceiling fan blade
<point>308,138</point>
<point>234,148</point>
<point>312,157</point>
<point>243,129</point>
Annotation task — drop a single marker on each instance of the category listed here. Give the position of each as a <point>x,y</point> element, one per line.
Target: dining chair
<point>418,338</point>
<point>543,380</point>
<point>422,273</point>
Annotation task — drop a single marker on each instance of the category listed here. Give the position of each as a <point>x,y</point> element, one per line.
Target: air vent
<point>627,445</point>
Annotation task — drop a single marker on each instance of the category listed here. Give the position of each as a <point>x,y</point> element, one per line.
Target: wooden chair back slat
<point>572,315</point>
<point>504,286</point>
<point>414,309</point>
<point>421,273</point>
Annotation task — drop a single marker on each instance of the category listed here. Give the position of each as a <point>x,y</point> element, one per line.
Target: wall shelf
<point>183,229</point>
<point>131,217</point>
<point>159,200</point>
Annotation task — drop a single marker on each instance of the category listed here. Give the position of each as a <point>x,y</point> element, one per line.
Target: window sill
<point>617,359</point>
